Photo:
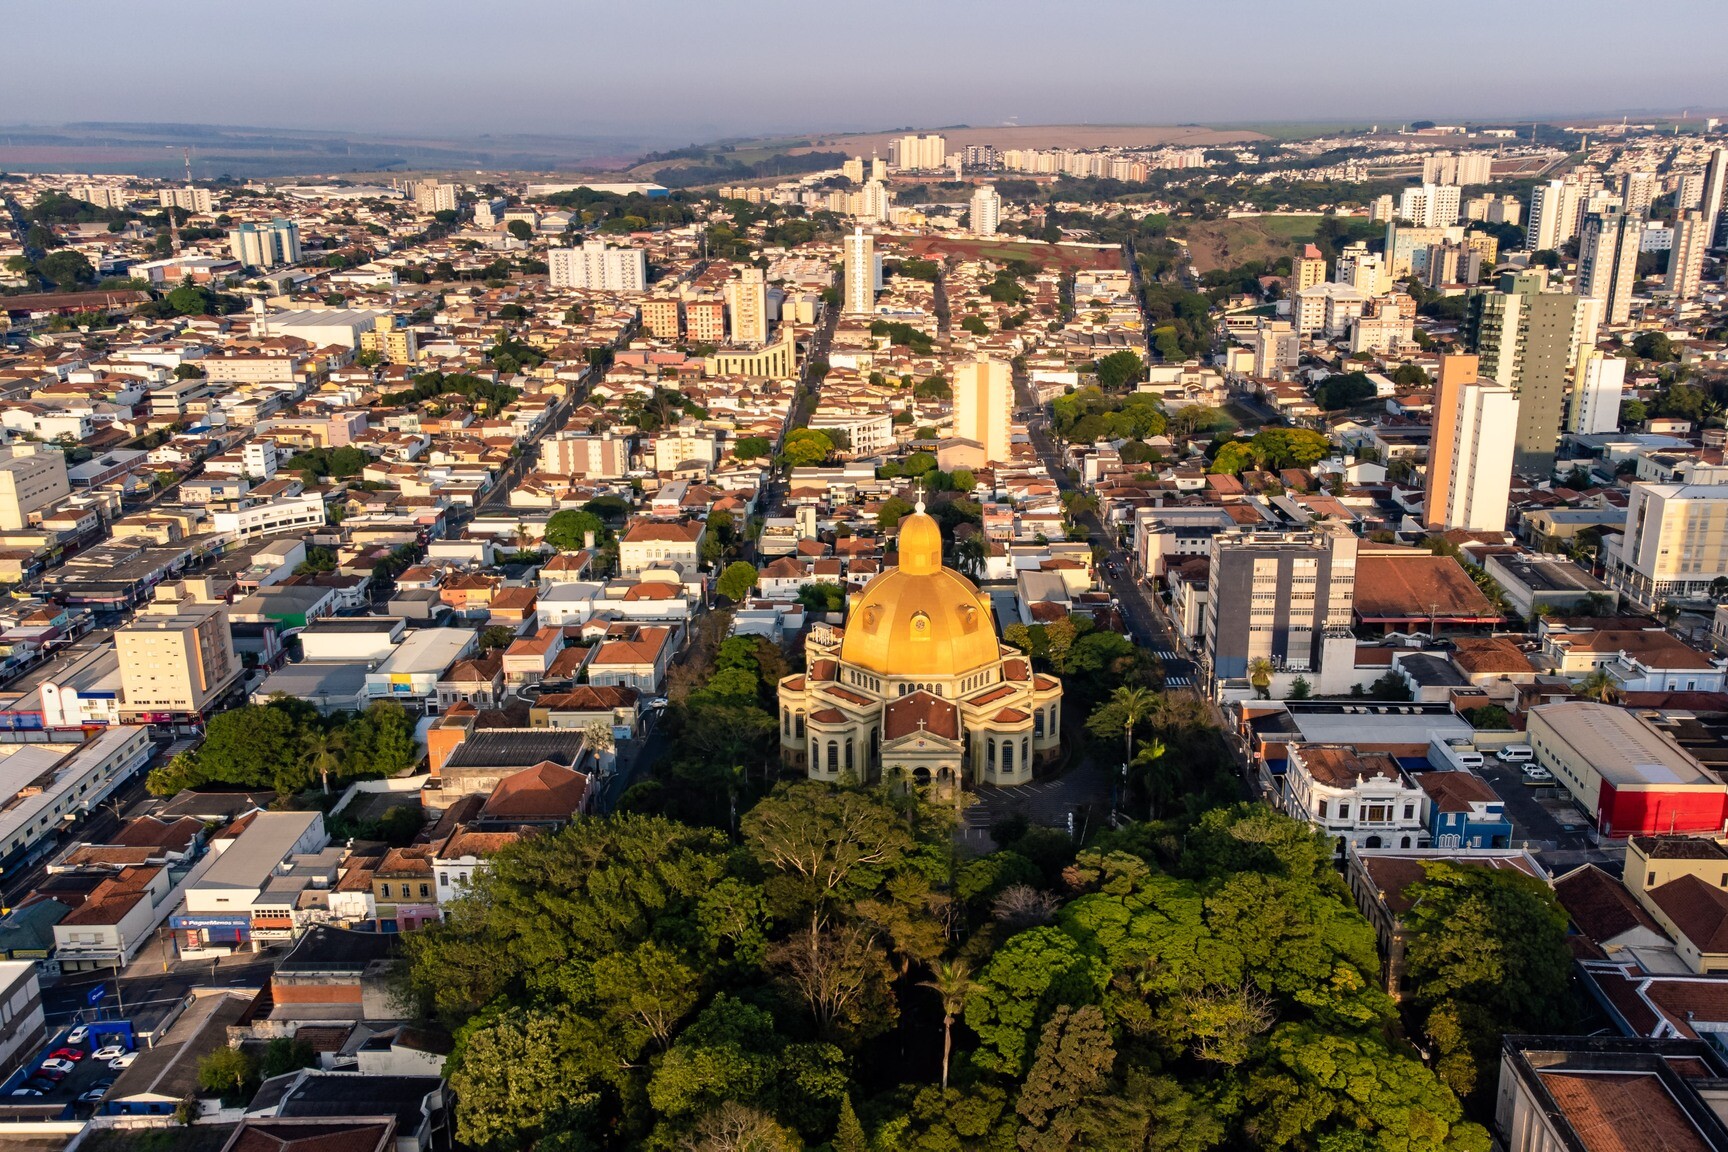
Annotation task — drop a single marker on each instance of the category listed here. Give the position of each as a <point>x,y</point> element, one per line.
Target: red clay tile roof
<point>1342,767</point>
<point>1600,905</point>
<point>1455,791</point>
<point>1622,1112</point>
<point>1411,584</point>
<point>1697,909</point>
<point>541,791</point>
<point>920,712</point>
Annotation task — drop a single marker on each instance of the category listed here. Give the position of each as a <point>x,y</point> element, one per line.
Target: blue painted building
<point>1462,811</point>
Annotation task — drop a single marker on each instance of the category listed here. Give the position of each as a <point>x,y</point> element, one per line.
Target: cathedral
<point>916,688</point>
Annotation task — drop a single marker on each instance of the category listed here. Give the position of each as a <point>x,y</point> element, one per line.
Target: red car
<point>72,1054</point>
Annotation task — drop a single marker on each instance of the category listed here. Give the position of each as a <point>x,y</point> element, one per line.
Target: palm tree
<point>1260,675</point>
<point>1599,686</point>
<point>1135,703</point>
<point>1161,778</point>
<point>952,981</point>
<point>327,750</point>
<point>971,553</point>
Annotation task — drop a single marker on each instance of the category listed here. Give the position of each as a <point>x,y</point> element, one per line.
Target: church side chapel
<point>916,688</point>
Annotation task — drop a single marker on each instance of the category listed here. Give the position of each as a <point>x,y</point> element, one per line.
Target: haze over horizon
<point>674,73</point>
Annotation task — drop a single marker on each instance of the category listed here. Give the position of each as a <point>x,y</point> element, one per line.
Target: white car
<point>53,1065</point>
<point>78,1034</point>
<point>1535,774</point>
<point>26,1092</point>
<point>125,1061</point>
<point>109,1051</point>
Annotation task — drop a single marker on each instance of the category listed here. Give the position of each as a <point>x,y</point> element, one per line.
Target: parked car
<point>125,1061</point>
<point>1535,776</point>
<point>26,1092</point>
<point>41,1083</point>
<point>78,1035</point>
<point>55,1070</point>
<point>72,1054</point>
<point>109,1051</point>
<point>93,1096</point>
<point>1516,754</point>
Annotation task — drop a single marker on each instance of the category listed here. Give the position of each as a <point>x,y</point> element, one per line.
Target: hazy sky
<point>701,68</point>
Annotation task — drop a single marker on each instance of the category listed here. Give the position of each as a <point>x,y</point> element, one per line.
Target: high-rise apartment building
<point>747,301</point>
<point>853,169</point>
<point>705,320</point>
<point>432,196</point>
<point>266,245</point>
<point>1686,256</point>
<point>920,153</point>
<point>394,343</point>
<point>1362,270</point>
<point>1608,262</point>
<point>192,199</point>
<point>32,480</point>
<point>1277,348</point>
<point>1597,382</point>
<point>1285,597</point>
<point>986,210</point>
<point>175,663</point>
<point>1689,190</point>
<point>983,406</point>
<point>1430,205</point>
<point>1553,214</point>
<point>1715,176</point>
<point>1637,189</point>
<point>583,455</point>
<point>489,211</point>
<point>860,296</point>
<point>1675,543</point>
<point>1470,456</point>
<point>102,195</point>
<point>1307,268</point>
<point>1528,339</point>
<point>598,265</point>
<point>1458,168</point>
<point>663,316</point>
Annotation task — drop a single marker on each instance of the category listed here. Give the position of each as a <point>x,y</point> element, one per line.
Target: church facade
<point>917,689</point>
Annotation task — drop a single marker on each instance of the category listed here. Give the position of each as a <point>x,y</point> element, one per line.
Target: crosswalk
<point>1163,653</point>
<point>1178,682</point>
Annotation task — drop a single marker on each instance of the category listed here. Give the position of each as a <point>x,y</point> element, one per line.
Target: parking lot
<point>1543,816</point>
<point>86,1075</point>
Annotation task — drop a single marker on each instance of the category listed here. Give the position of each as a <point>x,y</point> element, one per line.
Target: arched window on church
<point>798,725</point>
<point>785,721</point>
<point>1026,751</point>
<point>1038,723</point>
<point>849,764</point>
<point>992,760</point>
<point>833,756</point>
<point>1007,756</point>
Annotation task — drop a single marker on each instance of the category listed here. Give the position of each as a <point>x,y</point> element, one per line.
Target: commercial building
<point>1618,768</point>
<point>860,299</point>
<point>220,905</point>
<point>1591,1093</point>
<point>1529,339</point>
<point>747,301</point>
<point>22,1028</point>
<point>1597,384</point>
<point>581,454</point>
<point>32,480</point>
<point>1284,597</point>
<point>657,544</point>
<point>599,266</point>
<point>1674,545</point>
<point>266,245</point>
<point>1608,262</point>
<point>1470,456</point>
<point>983,406</point>
<point>267,519</point>
<point>1686,256</point>
<point>174,667</point>
<point>1363,799</point>
<point>43,786</point>
<point>410,674</point>
<point>986,210</point>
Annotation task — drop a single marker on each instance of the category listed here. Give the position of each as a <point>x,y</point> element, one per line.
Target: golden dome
<point>920,619</point>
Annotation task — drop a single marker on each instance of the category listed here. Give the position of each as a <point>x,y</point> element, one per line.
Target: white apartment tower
<point>920,153</point>
<point>1431,205</point>
<point>1596,387</point>
<point>986,210</point>
<point>192,199</point>
<point>1553,215</point>
<point>1686,256</point>
<point>598,266</point>
<point>747,303</point>
<point>983,406</point>
<point>1608,262</point>
<point>1470,460</point>
<point>1715,175</point>
<point>860,297</point>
